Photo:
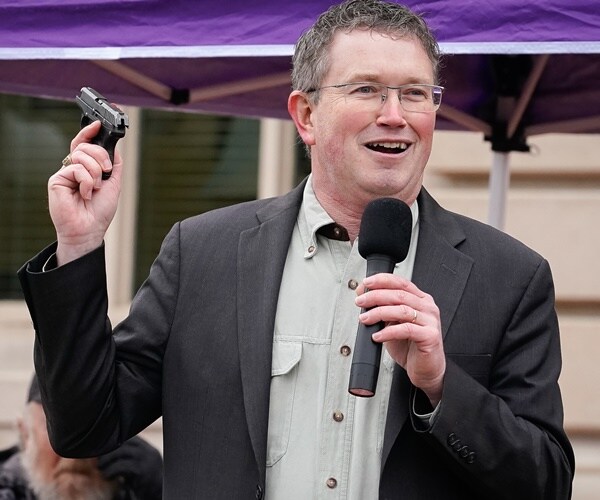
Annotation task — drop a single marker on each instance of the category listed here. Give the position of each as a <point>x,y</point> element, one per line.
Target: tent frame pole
<point>498,189</point>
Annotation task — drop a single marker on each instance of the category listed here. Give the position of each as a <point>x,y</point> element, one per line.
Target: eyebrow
<point>371,77</point>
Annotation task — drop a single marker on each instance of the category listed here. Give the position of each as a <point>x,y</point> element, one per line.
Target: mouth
<point>388,147</point>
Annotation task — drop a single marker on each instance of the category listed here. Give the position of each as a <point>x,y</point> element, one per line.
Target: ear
<point>300,109</point>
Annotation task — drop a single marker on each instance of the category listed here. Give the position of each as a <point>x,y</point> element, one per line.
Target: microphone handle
<point>367,354</point>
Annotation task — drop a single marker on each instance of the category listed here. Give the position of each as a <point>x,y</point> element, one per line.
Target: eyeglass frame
<point>388,88</point>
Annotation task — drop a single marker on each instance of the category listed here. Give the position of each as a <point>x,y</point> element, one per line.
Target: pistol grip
<point>105,139</point>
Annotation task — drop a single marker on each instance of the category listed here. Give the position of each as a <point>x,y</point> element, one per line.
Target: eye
<point>416,93</point>
<point>364,89</point>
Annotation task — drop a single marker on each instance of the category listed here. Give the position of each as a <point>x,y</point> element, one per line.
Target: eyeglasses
<point>416,98</point>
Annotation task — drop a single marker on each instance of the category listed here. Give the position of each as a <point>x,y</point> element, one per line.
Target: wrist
<point>434,392</point>
<point>66,252</point>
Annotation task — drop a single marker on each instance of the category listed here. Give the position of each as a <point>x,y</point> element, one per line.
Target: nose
<point>391,112</point>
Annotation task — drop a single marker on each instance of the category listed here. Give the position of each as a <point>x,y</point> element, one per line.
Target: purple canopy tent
<point>513,69</point>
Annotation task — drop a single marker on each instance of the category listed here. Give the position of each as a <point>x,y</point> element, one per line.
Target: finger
<point>87,163</point>
<point>393,314</point>
<point>390,297</point>
<point>75,177</point>
<point>85,181</point>
<point>390,281</point>
<point>116,166</point>
<point>94,152</point>
<point>86,134</point>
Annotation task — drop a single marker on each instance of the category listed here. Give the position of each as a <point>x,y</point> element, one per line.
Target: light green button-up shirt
<point>323,442</point>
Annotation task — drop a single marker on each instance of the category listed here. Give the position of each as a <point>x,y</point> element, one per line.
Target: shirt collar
<point>312,217</point>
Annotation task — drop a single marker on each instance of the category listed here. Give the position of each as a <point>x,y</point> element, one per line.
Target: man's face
<point>348,163</point>
<point>53,477</point>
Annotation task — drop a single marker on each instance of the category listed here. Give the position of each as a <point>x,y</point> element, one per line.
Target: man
<point>33,471</point>
<point>241,338</point>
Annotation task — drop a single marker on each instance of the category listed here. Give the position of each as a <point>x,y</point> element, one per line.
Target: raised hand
<point>82,205</point>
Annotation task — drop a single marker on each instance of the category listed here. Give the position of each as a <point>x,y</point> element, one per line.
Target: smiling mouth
<point>388,147</point>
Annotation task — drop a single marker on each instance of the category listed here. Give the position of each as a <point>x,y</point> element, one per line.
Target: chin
<point>384,187</point>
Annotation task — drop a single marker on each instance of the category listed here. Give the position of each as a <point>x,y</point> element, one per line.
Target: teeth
<point>391,145</point>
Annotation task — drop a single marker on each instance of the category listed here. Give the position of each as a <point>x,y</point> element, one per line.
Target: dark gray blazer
<point>196,349</point>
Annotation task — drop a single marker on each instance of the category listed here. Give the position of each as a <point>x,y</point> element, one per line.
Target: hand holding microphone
<point>394,310</point>
<point>383,239</point>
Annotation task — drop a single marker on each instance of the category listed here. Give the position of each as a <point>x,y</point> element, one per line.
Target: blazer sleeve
<point>504,436</point>
<point>98,387</point>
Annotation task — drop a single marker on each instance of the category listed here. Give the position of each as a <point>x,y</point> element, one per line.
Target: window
<point>34,138</point>
<point>190,163</point>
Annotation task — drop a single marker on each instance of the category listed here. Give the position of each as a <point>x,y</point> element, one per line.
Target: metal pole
<point>498,187</point>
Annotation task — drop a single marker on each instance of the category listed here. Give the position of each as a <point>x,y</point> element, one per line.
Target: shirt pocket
<point>284,374</point>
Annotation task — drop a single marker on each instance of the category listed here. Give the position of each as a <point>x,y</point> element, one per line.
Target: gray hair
<point>310,60</point>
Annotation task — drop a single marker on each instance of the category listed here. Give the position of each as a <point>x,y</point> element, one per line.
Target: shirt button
<point>331,482</point>
<point>311,249</point>
<point>338,416</point>
<point>352,284</point>
<point>345,350</point>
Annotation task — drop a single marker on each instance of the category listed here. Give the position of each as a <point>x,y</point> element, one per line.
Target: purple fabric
<point>42,52</point>
<point>123,23</point>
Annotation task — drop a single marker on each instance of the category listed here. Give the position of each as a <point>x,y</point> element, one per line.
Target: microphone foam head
<point>385,228</point>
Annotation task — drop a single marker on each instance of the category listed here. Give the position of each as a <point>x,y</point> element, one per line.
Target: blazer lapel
<point>440,268</point>
<point>261,258</point>
<point>442,271</point>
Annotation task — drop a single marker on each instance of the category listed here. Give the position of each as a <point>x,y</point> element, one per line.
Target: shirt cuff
<point>50,264</point>
<point>427,418</point>
<point>419,406</point>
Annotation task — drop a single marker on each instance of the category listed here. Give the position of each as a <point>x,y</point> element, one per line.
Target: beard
<point>70,480</point>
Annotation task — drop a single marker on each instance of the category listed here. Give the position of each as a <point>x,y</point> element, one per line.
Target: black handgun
<point>114,121</point>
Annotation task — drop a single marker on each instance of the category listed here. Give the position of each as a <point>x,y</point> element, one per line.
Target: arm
<point>499,420</point>
<point>98,389</point>
<point>514,426</point>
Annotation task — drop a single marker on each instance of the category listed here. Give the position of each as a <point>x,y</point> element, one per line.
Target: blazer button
<point>464,452</point>
<point>259,492</point>
<point>452,439</point>
<point>470,457</point>
<point>457,446</point>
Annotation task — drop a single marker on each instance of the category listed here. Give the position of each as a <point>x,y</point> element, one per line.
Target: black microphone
<point>383,240</point>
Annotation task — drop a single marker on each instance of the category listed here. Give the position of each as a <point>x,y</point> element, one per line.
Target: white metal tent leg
<point>276,166</point>
<point>498,187</point>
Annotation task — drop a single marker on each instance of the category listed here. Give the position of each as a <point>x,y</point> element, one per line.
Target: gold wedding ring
<point>414,316</point>
<point>67,161</point>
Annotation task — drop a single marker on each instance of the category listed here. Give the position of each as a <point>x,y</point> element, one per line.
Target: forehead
<point>369,55</point>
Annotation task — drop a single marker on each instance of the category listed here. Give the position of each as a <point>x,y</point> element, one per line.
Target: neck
<point>343,213</point>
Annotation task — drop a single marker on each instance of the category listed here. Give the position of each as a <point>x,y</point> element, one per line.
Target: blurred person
<point>242,335</point>
<point>33,471</point>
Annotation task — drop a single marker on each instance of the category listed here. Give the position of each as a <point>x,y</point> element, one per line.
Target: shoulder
<point>471,236</point>
<point>495,255</point>
<point>233,219</point>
